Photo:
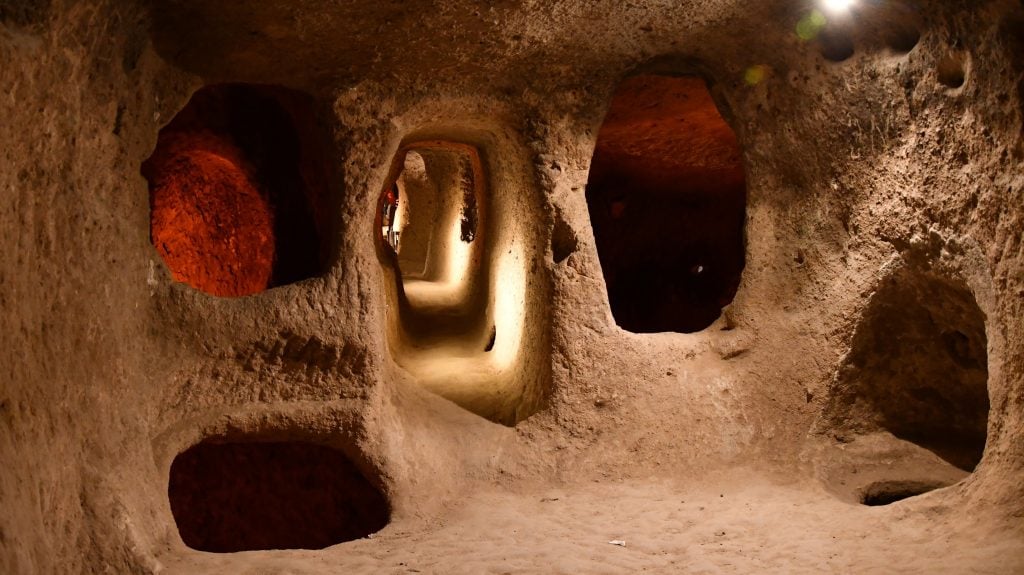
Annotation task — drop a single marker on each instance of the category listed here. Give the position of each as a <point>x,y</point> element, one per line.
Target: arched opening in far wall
<point>667,201</point>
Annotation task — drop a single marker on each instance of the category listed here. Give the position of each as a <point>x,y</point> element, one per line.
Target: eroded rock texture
<point>870,352</point>
<point>233,186</point>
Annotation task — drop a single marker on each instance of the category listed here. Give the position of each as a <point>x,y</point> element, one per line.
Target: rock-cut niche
<point>910,401</point>
<point>454,229</point>
<point>238,184</point>
<point>667,201</point>
<point>229,496</point>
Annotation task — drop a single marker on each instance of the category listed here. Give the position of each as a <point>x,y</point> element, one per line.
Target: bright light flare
<point>837,6</point>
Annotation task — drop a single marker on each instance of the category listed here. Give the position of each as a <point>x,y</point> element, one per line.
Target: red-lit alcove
<point>238,183</point>
<point>667,200</point>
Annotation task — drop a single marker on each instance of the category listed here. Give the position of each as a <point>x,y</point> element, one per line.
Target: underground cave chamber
<point>667,202</point>
<point>456,240</point>
<point>660,287</point>
<point>910,402</point>
<point>240,496</point>
<point>238,190</point>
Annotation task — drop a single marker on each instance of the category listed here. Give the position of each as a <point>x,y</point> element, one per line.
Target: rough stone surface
<point>211,223</point>
<point>708,451</point>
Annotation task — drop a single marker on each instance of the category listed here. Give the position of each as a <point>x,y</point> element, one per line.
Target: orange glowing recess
<point>210,222</point>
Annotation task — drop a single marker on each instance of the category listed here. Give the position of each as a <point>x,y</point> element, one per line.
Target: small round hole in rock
<point>836,46</point>
<point>951,71</point>
<point>887,492</point>
<point>228,497</point>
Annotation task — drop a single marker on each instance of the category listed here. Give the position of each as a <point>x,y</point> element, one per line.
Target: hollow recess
<point>887,492</point>
<point>237,186</point>
<point>951,70</point>
<point>461,318</point>
<point>910,401</point>
<point>836,45</point>
<point>563,239</point>
<point>894,26</point>
<point>228,497</point>
<point>919,369</point>
<point>667,201</point>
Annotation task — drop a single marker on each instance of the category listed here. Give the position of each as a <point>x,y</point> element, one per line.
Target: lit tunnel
<point>457,240</point>
<point>435,223</point>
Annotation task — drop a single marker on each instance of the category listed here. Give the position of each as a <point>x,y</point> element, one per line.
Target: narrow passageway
<point>440,259</point>
<point>460,297</point>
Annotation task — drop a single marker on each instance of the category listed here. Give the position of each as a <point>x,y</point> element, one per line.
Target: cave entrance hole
<point>228,497</point>
<point>238,184</point>
<point>667,201</point>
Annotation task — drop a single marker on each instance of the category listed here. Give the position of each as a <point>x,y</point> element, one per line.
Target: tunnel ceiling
<point>335,43</point>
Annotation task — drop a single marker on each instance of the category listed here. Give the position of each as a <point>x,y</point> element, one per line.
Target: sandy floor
<point>746,524</point>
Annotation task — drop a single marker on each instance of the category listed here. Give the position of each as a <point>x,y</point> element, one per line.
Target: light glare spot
<point>837,5</point>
